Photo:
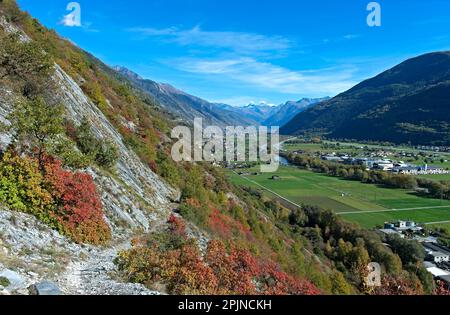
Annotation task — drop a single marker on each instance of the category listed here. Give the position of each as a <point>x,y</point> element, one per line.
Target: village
<point>437,259</point>
<point>389,161</point>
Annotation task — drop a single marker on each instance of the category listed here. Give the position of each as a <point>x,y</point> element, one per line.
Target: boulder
<point>44,288</point>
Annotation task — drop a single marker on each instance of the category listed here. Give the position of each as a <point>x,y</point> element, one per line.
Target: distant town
<point>389,165</point>
<point>437,260</point>
<point>417,160</point>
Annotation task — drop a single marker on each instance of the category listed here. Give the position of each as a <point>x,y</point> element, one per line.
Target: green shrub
<point>36,123</point>
<point>86,141</point>
<point>67,151</point>
<point>21,187</point>
<point>4,282</point>
<point>168,169</point>
<point>23,60</point>
<point>104,153</point>
<point>107,155</point>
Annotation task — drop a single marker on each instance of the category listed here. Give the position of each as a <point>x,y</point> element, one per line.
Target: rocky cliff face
<point>134,199</point>
<point>134,179</point>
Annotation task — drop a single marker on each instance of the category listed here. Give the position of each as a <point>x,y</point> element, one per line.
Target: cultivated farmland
<point>367,204</point>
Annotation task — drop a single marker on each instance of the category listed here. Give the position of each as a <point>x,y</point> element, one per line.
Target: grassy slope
<point>436,177</point>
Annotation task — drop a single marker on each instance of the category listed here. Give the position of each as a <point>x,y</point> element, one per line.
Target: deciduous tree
<point>36,123</point>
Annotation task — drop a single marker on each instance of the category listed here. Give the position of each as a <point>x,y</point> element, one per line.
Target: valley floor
<point>367,204</point>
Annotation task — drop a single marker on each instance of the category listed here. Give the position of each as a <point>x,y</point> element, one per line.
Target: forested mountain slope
<point>408,103</point>
<point>187,106</point>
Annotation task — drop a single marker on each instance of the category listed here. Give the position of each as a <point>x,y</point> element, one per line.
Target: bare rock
<point>44,288</point>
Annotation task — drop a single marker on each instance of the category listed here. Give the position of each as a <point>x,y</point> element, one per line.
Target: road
<point>390,210</point>
<point>440,222</point>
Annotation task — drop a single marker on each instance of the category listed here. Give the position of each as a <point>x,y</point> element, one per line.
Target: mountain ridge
<point>407,103</point>
<point>182,104</point>
<point>189,107</point>
<point>285,112</point>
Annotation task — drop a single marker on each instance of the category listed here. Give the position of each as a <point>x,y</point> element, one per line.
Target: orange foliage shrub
<point>79,210</point>
<point>22,188</point>
<point>177,227</point>
<point>225,225</point>
<point>64,200</point>
<point>399,285</point>
<point>442,289</point>
<point>184,270</point>
<point>193,202</point>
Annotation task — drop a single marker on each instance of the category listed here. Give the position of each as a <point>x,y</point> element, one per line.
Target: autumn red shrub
<point>239,272</point>
<point>177,226</point>
<point>221,270</point>
<point>276,282</point>
<point>220,224</point>
<point>399,285</point>
<point>235,271</point>
<point>225,226</point>
<point>64,200</point>
<point>187,273</point>
<point>441,289</point>
<point>79,210</point>
<point>153,166</point>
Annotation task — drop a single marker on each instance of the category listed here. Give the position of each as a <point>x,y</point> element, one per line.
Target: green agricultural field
<point>316,147</point>
<point>353,200</point>
<point>436,177</point>
<point>444,225</point>
<point>304,187</point>
<point>308,147</point>
<point>435,162</point>
<point>370,220</point>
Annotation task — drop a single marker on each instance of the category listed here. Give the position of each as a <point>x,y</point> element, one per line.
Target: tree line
<point>426,187</point>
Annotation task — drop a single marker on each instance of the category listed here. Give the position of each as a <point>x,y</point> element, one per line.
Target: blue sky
<point>245,51</point>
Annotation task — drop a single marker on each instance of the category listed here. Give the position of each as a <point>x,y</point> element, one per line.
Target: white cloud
<point>68,20</point>
<point>236,41</point>
<point>263,103</point>
<point>346,37</point>
<point>351,36</point>
<point>247,58</point>
<point>265,75</point>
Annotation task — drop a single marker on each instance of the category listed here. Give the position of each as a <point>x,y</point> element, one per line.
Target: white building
<point>384,165</point>
<point>437,272</point>
<point>439,257</point>
<point>419,170</point>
